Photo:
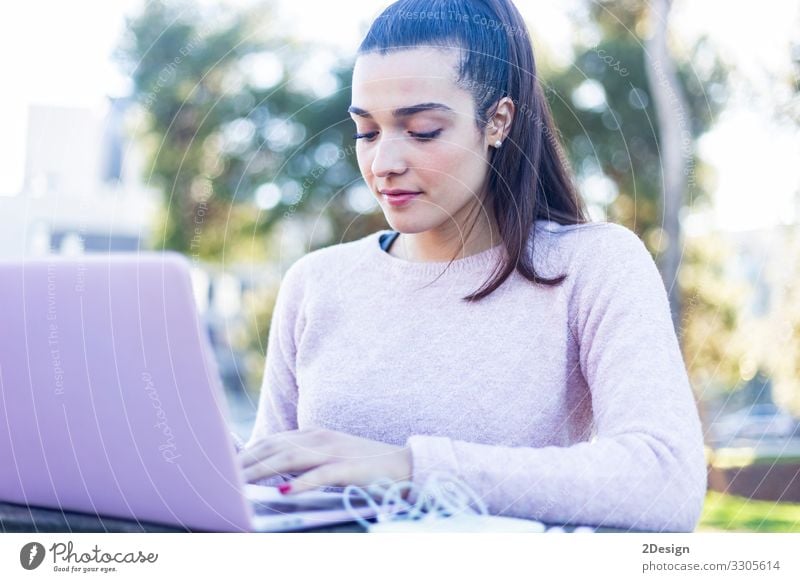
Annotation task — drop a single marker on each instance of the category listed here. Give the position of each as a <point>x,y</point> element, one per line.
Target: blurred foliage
<point>226,115</point>
<point>604,110</point>
<point>252,340</point>
<point>732,513</point>
<point>711,332</point>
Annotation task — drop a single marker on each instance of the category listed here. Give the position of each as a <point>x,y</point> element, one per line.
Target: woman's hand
<point>325,458</point>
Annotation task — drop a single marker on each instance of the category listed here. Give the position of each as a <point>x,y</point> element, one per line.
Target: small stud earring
<point>498,143</point>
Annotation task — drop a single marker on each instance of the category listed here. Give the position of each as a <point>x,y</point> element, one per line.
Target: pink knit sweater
<point>566,404</point>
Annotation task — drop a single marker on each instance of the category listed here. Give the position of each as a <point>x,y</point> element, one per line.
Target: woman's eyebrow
<point>404,111</point>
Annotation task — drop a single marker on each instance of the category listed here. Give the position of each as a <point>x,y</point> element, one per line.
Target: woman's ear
<point>500,123</point>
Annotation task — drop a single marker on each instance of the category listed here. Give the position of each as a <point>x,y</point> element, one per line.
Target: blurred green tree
<point>241,133</point>
<point>605,110</point>
<point>713,340</point>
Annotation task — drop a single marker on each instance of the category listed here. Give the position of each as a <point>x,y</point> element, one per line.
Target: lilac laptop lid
<point>110,402</point>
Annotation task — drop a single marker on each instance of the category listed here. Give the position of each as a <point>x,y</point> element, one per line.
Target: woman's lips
<point>400,199</point>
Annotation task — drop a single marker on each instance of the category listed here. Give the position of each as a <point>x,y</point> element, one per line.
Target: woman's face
<point>417,133</point>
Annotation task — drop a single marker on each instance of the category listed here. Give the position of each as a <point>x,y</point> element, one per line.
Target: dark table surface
<point>22,518</point>
<point>25,519</point>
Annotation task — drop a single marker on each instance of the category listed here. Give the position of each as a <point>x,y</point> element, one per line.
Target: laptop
<point>111,403</point>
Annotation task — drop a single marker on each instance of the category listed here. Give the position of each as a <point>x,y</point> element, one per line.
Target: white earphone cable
<point>442,495</point>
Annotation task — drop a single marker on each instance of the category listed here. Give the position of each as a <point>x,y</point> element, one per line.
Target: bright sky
<point>53,52</point>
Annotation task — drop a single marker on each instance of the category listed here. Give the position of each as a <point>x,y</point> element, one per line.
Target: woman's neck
<point>445,243</point>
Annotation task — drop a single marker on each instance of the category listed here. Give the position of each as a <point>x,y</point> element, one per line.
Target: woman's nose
<point>389,158</point>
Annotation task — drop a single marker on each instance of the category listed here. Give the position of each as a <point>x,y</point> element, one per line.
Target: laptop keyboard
<point>283,507</point>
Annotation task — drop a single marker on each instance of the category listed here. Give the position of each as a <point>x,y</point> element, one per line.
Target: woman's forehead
<point>417,63</point>
<point>404,78</point>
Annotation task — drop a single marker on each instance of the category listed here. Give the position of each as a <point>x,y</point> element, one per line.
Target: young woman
<point>493,333</point>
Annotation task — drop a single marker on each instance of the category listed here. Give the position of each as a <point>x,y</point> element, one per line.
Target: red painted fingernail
<point>284,488</point>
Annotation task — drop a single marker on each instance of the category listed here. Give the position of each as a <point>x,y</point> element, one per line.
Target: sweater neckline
<point>481,261</point>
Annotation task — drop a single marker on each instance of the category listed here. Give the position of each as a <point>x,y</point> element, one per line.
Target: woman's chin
<point>405,225</point>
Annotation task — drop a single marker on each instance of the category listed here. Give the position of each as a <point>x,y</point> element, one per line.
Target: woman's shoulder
<point>597,229</point>
<point>594,251</point>
<point>598,239</point>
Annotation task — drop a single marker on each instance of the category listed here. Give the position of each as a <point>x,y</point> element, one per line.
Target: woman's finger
<point>294,459</point>
<point>333,474</point>
<point>269,445</point>
<point>247,457</point>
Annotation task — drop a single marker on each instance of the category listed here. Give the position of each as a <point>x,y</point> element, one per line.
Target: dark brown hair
<point>529,177</point>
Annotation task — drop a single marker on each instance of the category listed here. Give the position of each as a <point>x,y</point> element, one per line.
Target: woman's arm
<point>277,405</point>
<point>646,468</point>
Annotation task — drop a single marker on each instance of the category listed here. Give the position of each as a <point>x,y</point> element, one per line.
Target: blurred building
<point>82,187</point>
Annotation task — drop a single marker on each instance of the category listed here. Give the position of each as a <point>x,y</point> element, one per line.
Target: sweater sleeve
<point>645,469</point>
<point>277,405</point>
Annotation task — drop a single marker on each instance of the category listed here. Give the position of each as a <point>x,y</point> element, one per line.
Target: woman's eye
<point>426,136</point>
<point>368,136</point>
